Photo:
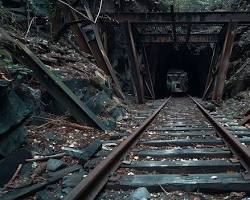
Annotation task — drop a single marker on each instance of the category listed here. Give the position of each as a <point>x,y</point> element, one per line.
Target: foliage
<point>44,8</point>
<point>11,70</point>
<point>197,5</point>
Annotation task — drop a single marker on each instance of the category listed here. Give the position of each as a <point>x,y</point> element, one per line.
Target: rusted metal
<point>180,38</point>
<point>90,187</point>
<point>182,17</point>
<point>224,62</point>
<point>134,64</point>
<point>239,150</point>
<point>245,120</point>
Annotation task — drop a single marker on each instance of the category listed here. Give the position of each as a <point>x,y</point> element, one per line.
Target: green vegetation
<point>199,5</point>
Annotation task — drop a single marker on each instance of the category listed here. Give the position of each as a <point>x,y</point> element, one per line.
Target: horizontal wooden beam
<point>180,17</point>
<point>180,38</point>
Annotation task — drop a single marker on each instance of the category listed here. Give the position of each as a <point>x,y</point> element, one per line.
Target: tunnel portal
<point>195,60</point>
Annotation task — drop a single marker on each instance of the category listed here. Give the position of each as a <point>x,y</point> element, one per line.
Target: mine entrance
<point>193,59</point>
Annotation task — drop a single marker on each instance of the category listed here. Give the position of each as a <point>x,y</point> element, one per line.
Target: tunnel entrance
<point>195,60</point>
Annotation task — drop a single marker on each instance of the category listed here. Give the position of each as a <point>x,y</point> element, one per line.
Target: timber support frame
<point>224,63</point>
<point>134,64</point>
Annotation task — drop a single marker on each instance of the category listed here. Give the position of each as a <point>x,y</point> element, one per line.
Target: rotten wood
<point>245,120</point>
<point>148,77</point>
<point>44,158</point>
<point>224,63</point>
<point>51,82</point>
<point>13,177</point>
<point>134,64</point>
<point>93,45</point>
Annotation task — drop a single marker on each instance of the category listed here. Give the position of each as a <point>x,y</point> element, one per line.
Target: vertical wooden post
<point>79,34</point>
<point>148,77</point>
<point>134,64</point>
<point>212,69</point>
<point>174,24</point>
<point>95,47</point>
<point>224,62</point>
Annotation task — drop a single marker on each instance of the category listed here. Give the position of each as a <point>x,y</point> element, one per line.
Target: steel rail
<point>241,152</point>
<point>91,186</point>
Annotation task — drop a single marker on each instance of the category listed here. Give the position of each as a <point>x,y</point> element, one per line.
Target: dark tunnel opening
<point>195,60</point>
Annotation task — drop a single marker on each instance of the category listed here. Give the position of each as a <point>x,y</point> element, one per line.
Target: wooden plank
<point>189,142</point>
<point>95,47</point>
<point>180,17</point>
<point>215,182</point>
<point>9,164</point>
<point>183,129</point>
<point>212,69</point>
<point>27,191</point>
<point>187,153</point>
<point>224,63</point>
<point>192,166</point>
<point>51,82</point>
<point>148,77</point>
<point>134,64</point>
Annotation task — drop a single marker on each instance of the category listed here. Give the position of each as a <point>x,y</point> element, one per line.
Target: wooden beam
<point>224,62</point>
<point>212,69</point>
<point>100,54</point>
<point>173,25</point>
<point>180,17</point>
<point>189,29</point>
<point>80,35</point>
<point>95,47</point>
<point>148,77</point>
<point>51,82</point>
<point>134,64</point>
<point>179,38</point>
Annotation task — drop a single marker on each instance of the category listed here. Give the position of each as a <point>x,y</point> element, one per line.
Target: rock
<point>93,148</point>
<point>140,194</point>
<point>211,107</point>
<point>44,195</point>
<point>75,153</point>
<point>84,154</point>
<point>72,180</point>
<point>66,190</point>
<point>54,164</point>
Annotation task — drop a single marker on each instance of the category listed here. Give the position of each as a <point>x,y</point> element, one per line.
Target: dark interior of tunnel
<point>195,60</point>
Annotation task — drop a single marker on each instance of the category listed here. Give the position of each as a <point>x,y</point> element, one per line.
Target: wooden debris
<point>24,192</point>
<point>44,158</point>
<point>13,177</point>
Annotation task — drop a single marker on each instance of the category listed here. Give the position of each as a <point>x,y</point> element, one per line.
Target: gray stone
<point>54,164</point>
<point>84,154</point>
<point>44,195</point>
<point>76,153</point>
<point>72,180</point>
<point>140,194</point>
<point>66,190</point>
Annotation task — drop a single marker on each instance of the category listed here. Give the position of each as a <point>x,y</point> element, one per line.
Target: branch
<point>69,6</point>
<point>99,11</point>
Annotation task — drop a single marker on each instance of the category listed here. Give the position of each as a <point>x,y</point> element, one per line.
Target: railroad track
<point>180,146</point>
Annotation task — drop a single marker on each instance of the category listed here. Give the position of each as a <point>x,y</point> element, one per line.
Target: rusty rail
<point>91,186</point>
<point>241,152</point>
